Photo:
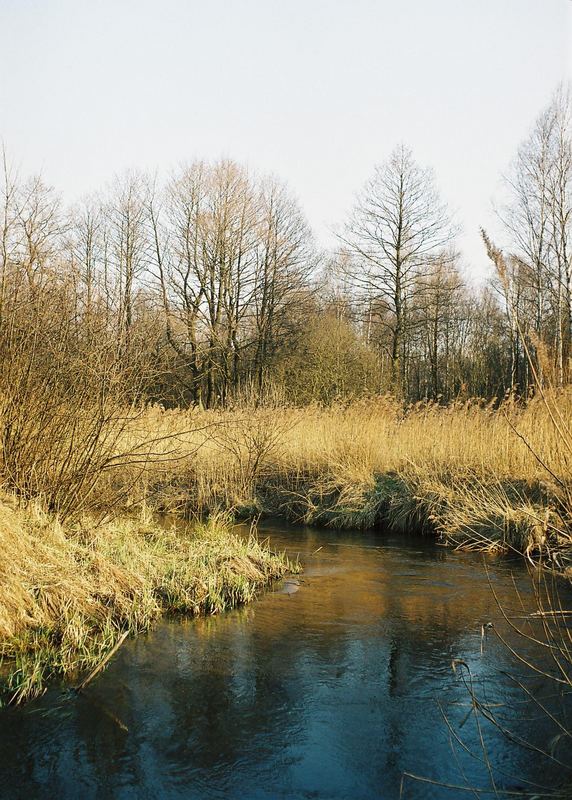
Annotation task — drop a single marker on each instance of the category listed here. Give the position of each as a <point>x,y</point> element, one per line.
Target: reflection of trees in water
<point>342,675</point>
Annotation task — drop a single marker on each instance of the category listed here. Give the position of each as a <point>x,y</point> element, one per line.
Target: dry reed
<point>478,474</point>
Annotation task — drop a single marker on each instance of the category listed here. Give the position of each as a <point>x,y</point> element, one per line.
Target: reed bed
<point>479,475</point>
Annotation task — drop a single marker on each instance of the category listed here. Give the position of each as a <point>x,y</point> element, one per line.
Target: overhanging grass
<point>66,595</point>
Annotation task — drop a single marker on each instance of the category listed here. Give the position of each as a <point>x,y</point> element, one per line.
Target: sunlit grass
<point>67,595</point>
<point>478,474</point>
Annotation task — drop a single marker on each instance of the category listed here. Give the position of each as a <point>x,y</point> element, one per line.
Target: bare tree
<point>537,217</point>
<point>230,260</point>
<point>128,248</point>
<point>560,203</point>
<point>205,240</point>
<point>284,262</point>
<point>232,255</point>
<point>438,321</point>
<point>396,234</point>
<point>176,220</point>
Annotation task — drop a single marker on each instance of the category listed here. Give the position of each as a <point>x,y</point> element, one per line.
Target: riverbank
<point>67,594</point>
<point>475,475</point>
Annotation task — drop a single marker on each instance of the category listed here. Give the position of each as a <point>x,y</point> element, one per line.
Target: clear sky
<point>316,91</point>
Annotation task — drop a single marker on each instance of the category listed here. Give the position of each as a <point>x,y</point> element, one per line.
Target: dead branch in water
<point>102,663</point>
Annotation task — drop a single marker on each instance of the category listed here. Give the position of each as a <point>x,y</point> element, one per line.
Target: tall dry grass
<point>68,594</point>
<point>479,474</point>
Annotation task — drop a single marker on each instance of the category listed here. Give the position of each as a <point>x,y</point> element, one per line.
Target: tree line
<point>209,286</point>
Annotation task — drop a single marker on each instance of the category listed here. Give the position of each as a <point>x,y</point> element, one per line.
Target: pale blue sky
<point>314,91</point>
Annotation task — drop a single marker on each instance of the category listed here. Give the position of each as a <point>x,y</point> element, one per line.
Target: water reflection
<point>333,691</point>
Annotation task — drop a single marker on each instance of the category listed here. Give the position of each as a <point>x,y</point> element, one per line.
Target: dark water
<point>333,689</point>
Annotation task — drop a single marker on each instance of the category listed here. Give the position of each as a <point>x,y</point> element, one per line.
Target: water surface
<point>330,688</point>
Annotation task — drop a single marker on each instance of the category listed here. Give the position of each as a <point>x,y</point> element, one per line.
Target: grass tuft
<point>66,595</point>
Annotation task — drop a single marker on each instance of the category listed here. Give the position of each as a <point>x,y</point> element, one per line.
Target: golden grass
<point>66,595</point>
<point>479,475</point>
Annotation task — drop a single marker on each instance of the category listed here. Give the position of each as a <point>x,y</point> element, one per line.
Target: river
<point>333,687</point>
